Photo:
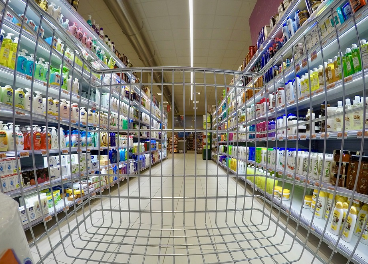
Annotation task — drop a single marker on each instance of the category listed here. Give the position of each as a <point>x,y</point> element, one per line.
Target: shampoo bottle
<point>22,61</point>
<point>339,116</point>
<point>7,95</point>
<point>350,225</point>
<point>75,86</point>
<point>27,138</point>
<point>39,72</point>
<point>360,220</point>
<point>336,219</point>
<point>337,66</point>
<point>331,71</point>
<point>19,98</point>
<point>13,53</point>
<point>348,121</point>
<point>10,136</point>
<point>45,139</point>
<point>19,139</point>
<point>89,20</point>
<point>54,138</point>
<point>3,138</point>
<point>348,63</point>
<point>30,65</point>
<point>36,137</point>
<point>357,114</point>
<point>345,207</point>
<point>38,103</point>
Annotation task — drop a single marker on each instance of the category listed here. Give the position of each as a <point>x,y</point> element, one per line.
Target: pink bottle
<point>89,43</point>
<point>73,29</point>
<point>79,34</point>
<point>84,38</point>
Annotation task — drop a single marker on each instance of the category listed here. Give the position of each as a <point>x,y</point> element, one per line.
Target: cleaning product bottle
<point>64,109</point>
<point>38,103</point>
<point>73,29</point>
<point>19,138</point>
<point>27,138</point>
<point>58,45</point>
<point>39,72</point>
<point>54,138</point>
<point>45,139</point>
<point>331,71</point>
<point>348,116</point>
<point>50,103</point>
<point>337,66</point>
<point>336,219</point>
<point>79,34</point>
<point>69,84</point>
<point>357,114</point>
<point>13,53</point>
<point>355,53</point>
<point>55,76</point>
<point>30,65</point>
<point>75,88</point>
<point>7,95</point>
<point>350,225</point>
<point>348,63</point>
<point>10,135</point>
<point>36,137</point>
<point>89,43</point>
<point>62,138</point>
<point>56,107</point>
<point>19,98</point>
<point>83,115</point>
<point>3,138</point>
<point>360,220</point>
<point>46,71</point>
<point>315,83</point>
<point>22,61</point>
<point>27,101</point>
<point>5,49</point>
<point>328,205</point>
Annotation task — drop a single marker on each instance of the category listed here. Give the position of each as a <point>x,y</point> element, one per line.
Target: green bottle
<point>356,58</point>
<point>348,63</point>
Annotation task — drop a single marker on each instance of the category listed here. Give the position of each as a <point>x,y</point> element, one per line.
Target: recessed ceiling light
<point>195,107</point>
<point>165,102</point>
<point>196,102</point>
<point>159,93</point>
<point>198,93</point>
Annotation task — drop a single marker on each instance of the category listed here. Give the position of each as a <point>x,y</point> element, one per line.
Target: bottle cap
<point>339,205</point>
<point>345,205</point>
<point>353,210</point>
<point>354,46</point>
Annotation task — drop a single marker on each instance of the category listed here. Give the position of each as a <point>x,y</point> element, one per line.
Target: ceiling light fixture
<point>196,102</point>
<point>195,107</point>
<point>191,45</point>
<point>198,93</point>
<point>165,102</point>
<point>159,93</point>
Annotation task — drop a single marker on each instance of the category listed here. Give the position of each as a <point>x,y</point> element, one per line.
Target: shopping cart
<point>105,189</point>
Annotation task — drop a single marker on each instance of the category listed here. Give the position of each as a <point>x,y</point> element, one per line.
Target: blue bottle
<point>30,65</point>
<point>22,61</point>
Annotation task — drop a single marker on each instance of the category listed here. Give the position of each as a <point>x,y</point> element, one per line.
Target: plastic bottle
<point>9,132</point>
<point>56,107</point>
<point>7,95</point>
<point>321,82</point>
<point>54,138</point>
<point>339,116</point>
<point>73,29</point>
<point>74,110</point>
<point>36,137</point>
<point>38,103</point>
<point>348,63</point>
<point>315,82</point>
<point>360,220</point>
<point>3,138</point>
<point>30,65</point>
<point>89,20</point>
<point>5,49</point>
<point>64,109</point>
<point>50,108</point>
<point>355,53</point>
<point>40,71</point>
<point>337,66</point>
<point>13,53</point>
<point>75,86</point>
<point>79,34</point>
<point>27,138</point>
<point>345,207</point>
<point>350,225</point>
<point>19,138</point>
<point>348,116</point>
<point>357,114</point>
<point>45,139</point>
<point>83,115</point>
<point>62,138</point>
<point>22,61</point>
<point>19,98</point>
<point>364,51</point>
<point>328,205</point>
<point>27,99</point>
<point>331,71</point>
<point>89,43</point>
<point>336,219</point>
<point>101,33</point>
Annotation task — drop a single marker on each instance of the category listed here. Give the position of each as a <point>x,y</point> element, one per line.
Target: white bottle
<point>64,109</point>
<point>76,86</point>
<point>357,114</point>
<point>50,106</point>
<point>83,115</point>
<point>74,110</point>
<point>62,138</point>
<point>69,84</point>
<point>9,133</point>
<point>345,207</point>
<point>19,98</point>
<point>339,116</point>
<point>348,116</point>
<point>360,220</point>
<point>336,219</point>
<point>27,100</point>
<point>38,103</point>
<point>54,138</point>
<point>350,225</point>
<point>19,138</point>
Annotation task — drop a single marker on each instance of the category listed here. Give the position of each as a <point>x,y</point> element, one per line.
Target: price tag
<point>84,123</point>
<point>28,77</point>
<point>273,139</point>
<point>47,218</point>
<point>65,92</point>
<point>19,113</point>
<point>88,150</point>
<point>332,85</point>
<point>360,134</point>
<point>2,155</point>
<point>304,62</point>
<point>66,209</point>
<point>289,176</point>
<point>342,29</point>
<point>281,138</point>
<point>297,178</point>
<point>79,201</point>
<point>24,154</point>
<point>65,151</point>
<point>325,135</point>
<point>43,152</point>
<point>316,183</point>
<point>93,194</point>
<point>303,137</point>
<point>313,136</point>
<point>78,96</point>
<point>313,55</point>
<point>348,79</point>
<point>290,137</point>
<point>297,67</point>
<point>73,121</point>
<point>339,135</point>
<point>101,148</point>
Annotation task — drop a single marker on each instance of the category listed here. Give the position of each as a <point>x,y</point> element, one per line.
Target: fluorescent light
<point>159,93</point>
<point>195,107</point>
<point>165,102</point>
<point>196,102</point>
<point>198,93</point>
<point>191,44</point>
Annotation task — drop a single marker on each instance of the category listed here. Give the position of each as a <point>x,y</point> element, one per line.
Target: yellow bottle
<point>350,225</point>
<point>331,71</point>
<point>345,207</point>
<point>13,53</point>
<point>5,50</point>
<point>315,81</point>
<point>3,138</point>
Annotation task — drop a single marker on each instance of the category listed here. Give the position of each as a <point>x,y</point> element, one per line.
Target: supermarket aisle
<point>156,229</point>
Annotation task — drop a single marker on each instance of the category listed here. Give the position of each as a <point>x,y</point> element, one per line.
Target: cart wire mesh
<point>124,199</point>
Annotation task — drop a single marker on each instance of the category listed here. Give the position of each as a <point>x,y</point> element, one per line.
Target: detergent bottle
<point>30,65</point>
<point>22,61</point>
<point>13,53</point>
<point>5,50</point>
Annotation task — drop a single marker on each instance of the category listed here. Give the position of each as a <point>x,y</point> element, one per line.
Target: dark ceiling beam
<point>126,19</point>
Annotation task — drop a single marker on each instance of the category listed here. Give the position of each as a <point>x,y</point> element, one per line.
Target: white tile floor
<point>121,230</point>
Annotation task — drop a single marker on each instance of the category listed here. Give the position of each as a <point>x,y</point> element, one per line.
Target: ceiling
<point>221,39</point>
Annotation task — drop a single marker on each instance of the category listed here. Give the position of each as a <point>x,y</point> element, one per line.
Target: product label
<point>348,226</point>
<point>357,120</point>
<point>335,220</point>
<point>348,66</point>
<point>356,62</point>
<point>360,223</point>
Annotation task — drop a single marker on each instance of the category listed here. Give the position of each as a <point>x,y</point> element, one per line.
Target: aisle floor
<point>150,226</point>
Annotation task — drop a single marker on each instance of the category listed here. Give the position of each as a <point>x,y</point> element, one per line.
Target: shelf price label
<point>47,218</point>
<point>24,154</point>
<point>303,137</point>
<point>2,155</point>
<point>348,79</point>
<point>325,135</point>
<point>64,151</point>
<point>44,152</point>
<point>79,201</point>
<point>66,209</point>
<point>297,68</point>
<point>360,134</point>
<point>339,135</point>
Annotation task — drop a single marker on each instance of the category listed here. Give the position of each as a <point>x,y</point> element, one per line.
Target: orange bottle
<point>36,138</point>
<point>45,138</point>
<point>27,138</point>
